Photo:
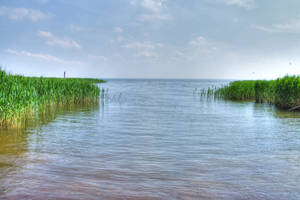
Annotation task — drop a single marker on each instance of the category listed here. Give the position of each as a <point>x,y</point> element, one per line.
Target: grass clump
<point>264,91</point>
<point>287,92</point>
<point>283,92</point>
<point>21,96</point>
<point>237,91</point>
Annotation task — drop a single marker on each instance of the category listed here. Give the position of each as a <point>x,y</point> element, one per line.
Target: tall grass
<point>282,92</point>
<point>287,92</point>
<point>21,96</point>
<point>264,91</point>
<point>238,90</point>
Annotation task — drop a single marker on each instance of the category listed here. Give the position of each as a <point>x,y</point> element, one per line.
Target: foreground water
<point>154,139</point>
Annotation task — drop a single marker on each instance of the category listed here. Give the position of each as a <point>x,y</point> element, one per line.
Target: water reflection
<point>14,142</point>
<point>13,145</point>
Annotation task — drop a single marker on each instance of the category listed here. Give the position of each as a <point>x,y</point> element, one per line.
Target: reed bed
<point>264,91</point>
<point>238,90</point>
<point>283,92</point>
<point>22,96</point>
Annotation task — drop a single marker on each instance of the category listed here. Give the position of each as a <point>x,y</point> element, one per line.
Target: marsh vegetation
<point>23,96</point>
<point>283,92</point>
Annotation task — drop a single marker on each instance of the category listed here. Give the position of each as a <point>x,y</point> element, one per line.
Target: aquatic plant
<point>287,92</point>
<point>264,91</point>
<point>207,93</point>
<point>282,92</point>
<point>237,90</point>
<point>21,96</point>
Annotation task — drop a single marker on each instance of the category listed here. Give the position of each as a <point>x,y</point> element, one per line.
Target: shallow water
<point>154,139</point>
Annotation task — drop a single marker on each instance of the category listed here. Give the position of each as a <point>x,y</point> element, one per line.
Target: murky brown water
<point>157,140</point>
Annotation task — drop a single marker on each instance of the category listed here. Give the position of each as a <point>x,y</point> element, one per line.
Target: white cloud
<point>140,45</point>
<point>118,30</point>
<point>203,45</point>
<point>148,54</point>
<point>154,17</point>
<point>144,49</point>
<point>153,5</point>
<point>290,27</point>
<point>182,55</point>
<point>35,55</point>
<point>199,41</point>
<point>97,57</point>
<point>263,28</point>
<point>54,41</point>
<point>241,3</point>
<point>156,10</point>
<point>18,14</point>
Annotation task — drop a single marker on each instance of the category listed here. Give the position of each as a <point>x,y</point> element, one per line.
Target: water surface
<point>154,139</point>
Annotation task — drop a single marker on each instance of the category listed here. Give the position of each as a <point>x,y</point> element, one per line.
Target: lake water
<point>154,139</point>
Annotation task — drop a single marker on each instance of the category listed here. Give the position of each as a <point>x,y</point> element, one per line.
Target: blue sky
<point>228,39</point>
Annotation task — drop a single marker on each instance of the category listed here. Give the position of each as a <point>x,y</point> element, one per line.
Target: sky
<point>219,39</point>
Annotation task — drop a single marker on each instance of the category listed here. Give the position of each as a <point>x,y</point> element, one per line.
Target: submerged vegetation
<point>22,96</point>
<point>283,93</point>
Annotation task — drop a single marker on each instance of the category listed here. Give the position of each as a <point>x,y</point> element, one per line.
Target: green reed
<point>238,90</point>
<point>264,91</point>
<point>21,96</point>
<point>283,92</point>
<point>287,92</point>
<point>205,93</point>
